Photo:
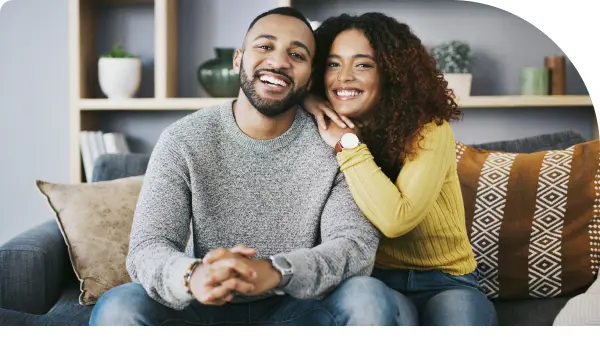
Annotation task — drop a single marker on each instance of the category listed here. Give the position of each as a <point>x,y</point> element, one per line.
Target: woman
<point>375,74</point>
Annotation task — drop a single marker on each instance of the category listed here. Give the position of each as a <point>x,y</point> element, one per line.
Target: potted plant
<point>119,73</point>
<point>454,60</point>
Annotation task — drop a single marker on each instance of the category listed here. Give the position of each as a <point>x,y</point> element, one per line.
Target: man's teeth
<point>348,93</point>
<point>273,80</point>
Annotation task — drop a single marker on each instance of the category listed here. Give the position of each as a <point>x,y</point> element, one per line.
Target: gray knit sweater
<point>284,196</point>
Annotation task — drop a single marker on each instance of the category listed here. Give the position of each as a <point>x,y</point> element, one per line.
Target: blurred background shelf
<point>181,104</point>
<point>174,37</point>
<point>525,101</point>
<point>141,104</point>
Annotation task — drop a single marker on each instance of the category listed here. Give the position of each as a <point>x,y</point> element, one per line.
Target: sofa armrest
<point>32,266</point>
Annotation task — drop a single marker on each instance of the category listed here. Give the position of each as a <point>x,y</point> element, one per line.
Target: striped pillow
<point>533,218</point>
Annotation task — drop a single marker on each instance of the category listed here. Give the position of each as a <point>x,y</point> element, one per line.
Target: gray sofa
<point>38,286</point>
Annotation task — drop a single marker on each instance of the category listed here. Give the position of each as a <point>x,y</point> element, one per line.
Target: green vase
<point>217,76</point>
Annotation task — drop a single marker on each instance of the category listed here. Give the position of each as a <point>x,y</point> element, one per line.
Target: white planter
<point>119,77</point>
<point>460,83</point>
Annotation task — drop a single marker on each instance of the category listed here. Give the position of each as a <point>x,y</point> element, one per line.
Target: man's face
<point>275,67</point>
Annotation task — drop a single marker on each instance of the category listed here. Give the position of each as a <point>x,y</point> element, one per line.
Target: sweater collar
<point>250,143</point>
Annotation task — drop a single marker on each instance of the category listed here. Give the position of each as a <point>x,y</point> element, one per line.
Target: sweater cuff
<point>174,281</point>
<point>348,158</point>
<point>297,286</point>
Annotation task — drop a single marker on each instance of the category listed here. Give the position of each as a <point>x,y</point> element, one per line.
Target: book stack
<point>93,144</point>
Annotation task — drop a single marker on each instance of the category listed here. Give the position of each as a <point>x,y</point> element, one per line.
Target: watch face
<point>349,141</point>
<point>282,262</point>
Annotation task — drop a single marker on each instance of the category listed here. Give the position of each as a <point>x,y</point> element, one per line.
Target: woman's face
<point>351,75</point>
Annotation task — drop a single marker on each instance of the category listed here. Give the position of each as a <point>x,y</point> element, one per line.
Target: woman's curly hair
<point>413,90</point>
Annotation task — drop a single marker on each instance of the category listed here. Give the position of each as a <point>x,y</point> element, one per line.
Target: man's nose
<point>278,60</point>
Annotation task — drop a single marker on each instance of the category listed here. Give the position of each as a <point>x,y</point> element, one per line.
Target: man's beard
<point>268,107</point>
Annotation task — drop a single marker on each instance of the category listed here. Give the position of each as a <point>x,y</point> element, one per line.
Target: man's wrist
<point>274,275</point>
<point>187,278</point>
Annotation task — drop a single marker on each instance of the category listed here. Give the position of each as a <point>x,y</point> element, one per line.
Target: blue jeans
<point>435,298</point>
<point>357,301</point>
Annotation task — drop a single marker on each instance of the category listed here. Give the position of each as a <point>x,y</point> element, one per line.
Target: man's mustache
<point>257,74</point>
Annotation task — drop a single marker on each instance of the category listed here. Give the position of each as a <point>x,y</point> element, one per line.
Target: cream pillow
<point>95,220</point>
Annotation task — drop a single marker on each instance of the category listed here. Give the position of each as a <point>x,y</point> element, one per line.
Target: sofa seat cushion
<point>529,312</point>
<point>66,312</point>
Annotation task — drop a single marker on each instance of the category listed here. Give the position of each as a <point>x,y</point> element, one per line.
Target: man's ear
<point>237,60</point>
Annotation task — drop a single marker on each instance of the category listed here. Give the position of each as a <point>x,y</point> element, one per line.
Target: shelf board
<point>125,2</point>
<point>150,103</point>
<point>510,101</point>
<point>199,103</point>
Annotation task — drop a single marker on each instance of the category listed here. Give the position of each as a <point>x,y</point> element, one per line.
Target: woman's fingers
<point>337,119</point>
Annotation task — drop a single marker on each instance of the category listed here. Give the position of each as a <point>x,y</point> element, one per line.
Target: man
<point>281,238</point>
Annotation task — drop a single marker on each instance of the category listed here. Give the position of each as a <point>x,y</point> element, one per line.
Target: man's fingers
<point>216,275</point>
<point>243,250</point>
<point>232,265</point>
<point>214,255</point>
<point>240,267</point>
<point>238,285</point>
<point>222,292</point>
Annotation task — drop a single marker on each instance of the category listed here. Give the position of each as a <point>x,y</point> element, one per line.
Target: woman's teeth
<point>348,93</point>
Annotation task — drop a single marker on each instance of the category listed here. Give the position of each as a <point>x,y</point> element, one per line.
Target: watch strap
<point>286,274</point>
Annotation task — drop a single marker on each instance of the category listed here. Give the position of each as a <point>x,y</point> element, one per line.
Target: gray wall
<point>34,127</point>
<point>34,90</point>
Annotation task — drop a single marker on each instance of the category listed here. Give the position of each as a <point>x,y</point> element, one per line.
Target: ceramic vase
<point>460,83</point>
<point>119,78</point>
<point>217,76</point>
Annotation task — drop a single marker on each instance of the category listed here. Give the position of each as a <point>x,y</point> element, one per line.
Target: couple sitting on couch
<point>357,221</point>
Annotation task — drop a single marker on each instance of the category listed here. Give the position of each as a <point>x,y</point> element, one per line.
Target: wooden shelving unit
<point>198,103</point>
<point>85,102</point>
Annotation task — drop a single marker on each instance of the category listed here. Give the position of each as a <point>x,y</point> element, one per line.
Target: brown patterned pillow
<point>533,218</point>
<point>95,220</point>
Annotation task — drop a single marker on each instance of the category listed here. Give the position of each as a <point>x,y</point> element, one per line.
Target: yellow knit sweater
<point>422,215</point>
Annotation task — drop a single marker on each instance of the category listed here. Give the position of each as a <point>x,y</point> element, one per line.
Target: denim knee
<point>364,301</point>
<point>125,305</point>
<point>462,307</point>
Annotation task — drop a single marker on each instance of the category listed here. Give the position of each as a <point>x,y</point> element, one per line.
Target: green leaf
<point>118,52</point>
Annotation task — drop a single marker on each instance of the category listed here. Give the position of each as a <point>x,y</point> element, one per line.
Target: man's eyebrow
<point>301,45</point>
<point>295,43</point>
<point>268,36</point>
<point>354,56</point>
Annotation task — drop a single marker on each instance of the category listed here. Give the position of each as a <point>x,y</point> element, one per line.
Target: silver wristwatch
<point>285,268</point>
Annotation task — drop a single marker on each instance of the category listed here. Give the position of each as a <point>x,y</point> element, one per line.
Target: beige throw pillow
<point>95,220</point>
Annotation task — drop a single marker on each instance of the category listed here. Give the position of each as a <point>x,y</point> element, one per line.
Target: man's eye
<point>297,55</point>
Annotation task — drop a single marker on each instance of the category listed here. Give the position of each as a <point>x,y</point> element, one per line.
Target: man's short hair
<point>283,10</point>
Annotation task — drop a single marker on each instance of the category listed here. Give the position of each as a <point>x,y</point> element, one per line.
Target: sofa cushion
<point>529,312</point>
<point>112,166</point>
<point>538,143</point>
<point>95,220</point>
<point>533,218</point>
